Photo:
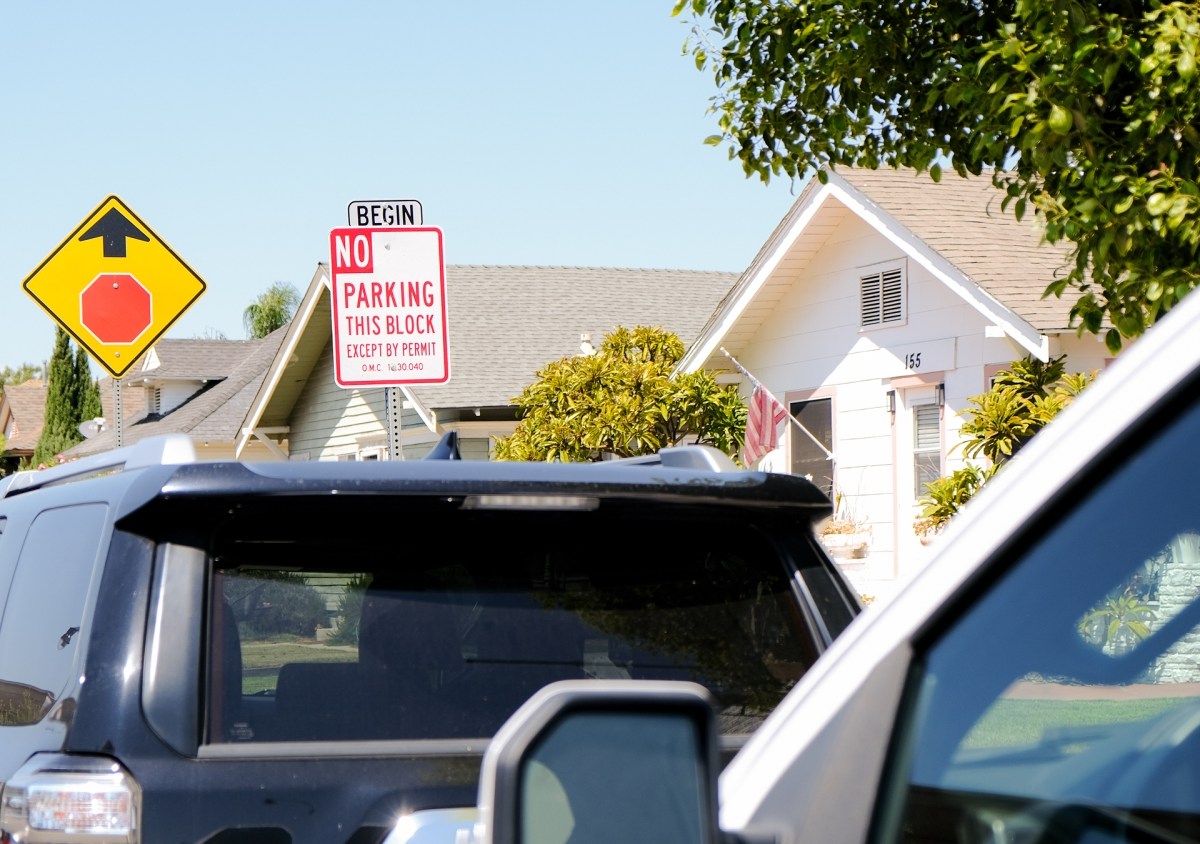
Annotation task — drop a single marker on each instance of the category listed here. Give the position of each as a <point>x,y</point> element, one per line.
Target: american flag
<point>762,424</point>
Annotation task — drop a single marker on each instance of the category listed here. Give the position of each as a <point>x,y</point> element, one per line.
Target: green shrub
<point>279,604</point>
<point>349,612</point>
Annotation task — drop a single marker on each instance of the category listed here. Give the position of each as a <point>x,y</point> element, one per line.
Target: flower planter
<point>847,546</point>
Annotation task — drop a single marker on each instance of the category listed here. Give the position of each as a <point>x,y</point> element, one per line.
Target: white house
<point>877,307</point>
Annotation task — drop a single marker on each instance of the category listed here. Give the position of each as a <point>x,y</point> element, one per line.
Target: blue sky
<point>548,133</point>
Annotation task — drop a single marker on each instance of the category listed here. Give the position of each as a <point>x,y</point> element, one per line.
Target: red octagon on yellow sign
<point>115,308</point>
<point>114,286</point>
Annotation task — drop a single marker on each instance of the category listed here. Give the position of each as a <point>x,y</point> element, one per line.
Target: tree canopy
<point>621,401</point>
<point>1085,114</point>
<point>18,374</point>
<point>271,310</point>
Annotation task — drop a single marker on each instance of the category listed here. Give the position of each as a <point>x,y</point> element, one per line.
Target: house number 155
<point>912,360</point>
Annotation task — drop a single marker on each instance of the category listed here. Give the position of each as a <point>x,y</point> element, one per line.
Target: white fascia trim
<point>263,435</point>
<point>749,285</point>
<point>1022,333</point>
<point>427,416</point>
<point>320,282</point>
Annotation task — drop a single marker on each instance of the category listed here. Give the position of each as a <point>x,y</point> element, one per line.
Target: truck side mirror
<point>598,761</point>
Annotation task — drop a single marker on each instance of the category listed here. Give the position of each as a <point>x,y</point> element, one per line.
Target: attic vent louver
<point>881,297</point>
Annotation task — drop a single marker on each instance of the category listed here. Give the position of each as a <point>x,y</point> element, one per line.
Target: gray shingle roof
<point>506,323</point>
<point>217,410</point>
<point>27,403</point>
<point>961,219</point>
<point>192,358</point>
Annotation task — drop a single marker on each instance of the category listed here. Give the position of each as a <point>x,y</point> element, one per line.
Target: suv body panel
<point>138,696</point>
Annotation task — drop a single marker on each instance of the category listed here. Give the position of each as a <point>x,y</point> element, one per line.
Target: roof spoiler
<point>166,450</point>
<point>703,457</point>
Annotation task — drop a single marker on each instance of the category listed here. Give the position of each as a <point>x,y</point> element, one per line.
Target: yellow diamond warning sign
<point>114,286</point>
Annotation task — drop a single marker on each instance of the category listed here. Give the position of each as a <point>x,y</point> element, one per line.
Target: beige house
<point>197,387</point>
<point>505,323</point>
<point>876,308</point>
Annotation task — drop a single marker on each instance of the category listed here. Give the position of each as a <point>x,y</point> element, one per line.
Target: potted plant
<point>845,535</point>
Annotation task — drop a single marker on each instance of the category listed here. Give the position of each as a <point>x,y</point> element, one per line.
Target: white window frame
<point>375,452</point>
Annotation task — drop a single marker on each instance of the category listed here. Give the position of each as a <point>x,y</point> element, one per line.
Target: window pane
<point>42,633</point>
<point>927,427</point>
<point>928,469</point>
<point>449,644</point>
<point>808,458</point>
<point>927,447</point>
<point>1075,680</point>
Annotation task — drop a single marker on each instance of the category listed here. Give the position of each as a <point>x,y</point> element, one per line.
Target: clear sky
<point>548,133</point>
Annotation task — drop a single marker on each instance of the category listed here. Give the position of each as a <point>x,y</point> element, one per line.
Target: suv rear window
<point>369,637</point>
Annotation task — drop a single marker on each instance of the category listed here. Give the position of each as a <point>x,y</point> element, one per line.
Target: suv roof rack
<point>704,457</point>
<point>153,451</point>
<point>682,457</point>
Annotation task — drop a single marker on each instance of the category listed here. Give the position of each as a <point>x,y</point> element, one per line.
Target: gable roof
<point>955,228</point>
<point>27,404</point>
<point>505,323</point>
<point>961,219</point>
<point>216,410</point>
<point>191,359</point>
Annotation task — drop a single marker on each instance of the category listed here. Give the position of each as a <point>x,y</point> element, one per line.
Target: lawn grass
<point>264,658</point>
<point>1011,723</point>
<point>274,653</point>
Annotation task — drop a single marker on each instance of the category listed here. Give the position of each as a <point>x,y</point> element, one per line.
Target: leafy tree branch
<point>621,401</point>
<point>1084,114</point>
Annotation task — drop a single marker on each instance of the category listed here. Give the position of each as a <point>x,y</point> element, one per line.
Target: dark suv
<point>303,652</point>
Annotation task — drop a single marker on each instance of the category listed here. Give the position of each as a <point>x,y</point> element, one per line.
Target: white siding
<point>174,393</point>
<point>328,420</point>
<point>813,344</point>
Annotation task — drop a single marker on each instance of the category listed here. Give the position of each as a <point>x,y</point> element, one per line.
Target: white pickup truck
<point>1039,681</point>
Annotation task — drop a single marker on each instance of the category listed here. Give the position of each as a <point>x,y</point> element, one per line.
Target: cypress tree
<point>88,388</point>
<point>70,392</point>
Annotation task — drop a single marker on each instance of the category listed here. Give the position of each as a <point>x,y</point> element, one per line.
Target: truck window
<point>1074,682</point>
<point>448,645</point>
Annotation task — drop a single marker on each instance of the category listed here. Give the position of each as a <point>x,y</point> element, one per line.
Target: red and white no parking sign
<point>389,306</point>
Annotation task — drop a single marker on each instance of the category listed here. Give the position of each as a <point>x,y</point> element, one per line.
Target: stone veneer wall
<point>1179,586</point>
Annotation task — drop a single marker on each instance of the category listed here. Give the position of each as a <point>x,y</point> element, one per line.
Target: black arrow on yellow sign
<point>115,228</point>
